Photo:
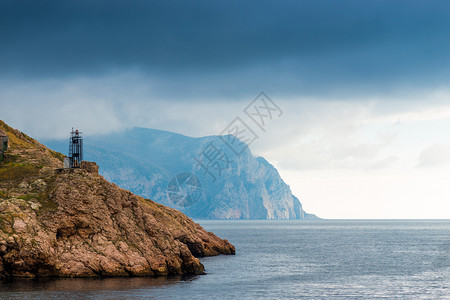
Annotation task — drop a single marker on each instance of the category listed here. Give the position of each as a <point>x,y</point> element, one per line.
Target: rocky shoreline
<point>76,224</point>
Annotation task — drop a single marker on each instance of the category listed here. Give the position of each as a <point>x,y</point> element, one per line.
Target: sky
<point>363,86</point>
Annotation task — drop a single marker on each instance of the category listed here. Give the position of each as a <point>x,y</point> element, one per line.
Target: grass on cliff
<point>13,171</point>
<point>20,140</point>
<point>16,138</point>
<point>16,172</point>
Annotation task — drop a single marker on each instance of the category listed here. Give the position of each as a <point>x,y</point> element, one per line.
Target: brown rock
<point>90,167</point>
<point>19,225</point>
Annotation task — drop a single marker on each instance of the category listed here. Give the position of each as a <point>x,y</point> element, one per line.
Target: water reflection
<point>90,284</point>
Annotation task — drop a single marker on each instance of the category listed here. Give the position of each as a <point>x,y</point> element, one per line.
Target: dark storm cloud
<point>290,46</point>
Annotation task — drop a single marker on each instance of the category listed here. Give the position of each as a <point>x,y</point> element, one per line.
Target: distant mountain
<point>225,184</point>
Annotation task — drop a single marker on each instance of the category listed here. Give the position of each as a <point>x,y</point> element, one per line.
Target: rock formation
<point>56,222</point>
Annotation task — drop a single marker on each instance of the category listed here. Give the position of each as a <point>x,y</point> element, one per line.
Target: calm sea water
<point>289,259</point>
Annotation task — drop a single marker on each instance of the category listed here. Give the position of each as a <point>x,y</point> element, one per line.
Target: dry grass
<point>17,172</point>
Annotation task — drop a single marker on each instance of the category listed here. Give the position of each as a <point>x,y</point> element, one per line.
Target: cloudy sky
<point>364,86</point>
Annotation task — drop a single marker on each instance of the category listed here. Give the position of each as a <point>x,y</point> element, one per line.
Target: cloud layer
<point>234,48</point>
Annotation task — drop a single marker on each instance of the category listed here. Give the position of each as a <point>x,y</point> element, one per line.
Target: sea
<point>289,259</point>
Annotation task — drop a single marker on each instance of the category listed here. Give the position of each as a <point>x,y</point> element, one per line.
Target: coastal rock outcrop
<point>74,223</point>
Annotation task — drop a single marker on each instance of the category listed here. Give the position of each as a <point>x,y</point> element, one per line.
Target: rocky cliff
<point>233,186</point>
<point>75,223</point>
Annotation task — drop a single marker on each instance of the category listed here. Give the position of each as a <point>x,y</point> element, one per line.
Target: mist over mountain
<point>202,177</point>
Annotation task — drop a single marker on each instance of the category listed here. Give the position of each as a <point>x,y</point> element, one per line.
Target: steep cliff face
<point>75,223</point>
<point>235,186</point>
